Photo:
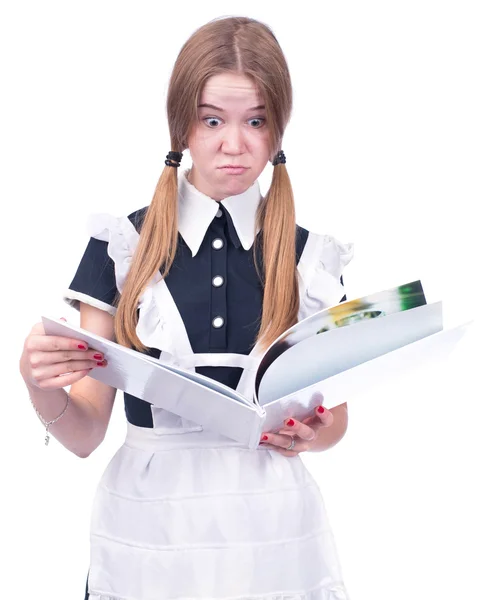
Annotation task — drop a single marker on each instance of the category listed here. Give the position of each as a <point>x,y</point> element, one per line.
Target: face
<point>231,129</point>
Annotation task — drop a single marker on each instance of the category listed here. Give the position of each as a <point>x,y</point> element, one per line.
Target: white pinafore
<point>182,513</point>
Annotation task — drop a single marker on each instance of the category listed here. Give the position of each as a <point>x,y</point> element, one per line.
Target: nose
<point>233,140</point>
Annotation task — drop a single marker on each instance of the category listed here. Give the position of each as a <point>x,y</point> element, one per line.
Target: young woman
<point>211,272</point>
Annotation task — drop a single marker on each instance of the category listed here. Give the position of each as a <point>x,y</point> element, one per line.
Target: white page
<point>125,364</point>
<point>326,354</point>
<point>420,359</point>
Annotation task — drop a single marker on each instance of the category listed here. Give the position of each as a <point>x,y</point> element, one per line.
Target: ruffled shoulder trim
<point>320,268</point>
<point>122,238</point>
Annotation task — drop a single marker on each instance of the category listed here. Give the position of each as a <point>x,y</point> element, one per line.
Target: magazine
<point>327,358</point>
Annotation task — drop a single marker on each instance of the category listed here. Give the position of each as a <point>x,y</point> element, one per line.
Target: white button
<point>218,281</point>
<point>219,213</point>
<point>218,322</point>
<point>218,244</point>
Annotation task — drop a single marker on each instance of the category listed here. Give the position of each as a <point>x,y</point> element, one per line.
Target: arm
<point>83,426</point>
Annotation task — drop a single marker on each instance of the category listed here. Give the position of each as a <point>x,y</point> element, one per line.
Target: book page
<point>377,305</point>
<point>422,360</point>
<point>125,364</point>
<point>322,356</point>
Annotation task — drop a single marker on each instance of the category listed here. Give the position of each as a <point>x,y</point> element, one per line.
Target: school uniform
<point>181,512</point>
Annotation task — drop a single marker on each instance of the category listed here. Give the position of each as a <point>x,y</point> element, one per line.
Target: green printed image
<point>373,306</point>
<point>403,297</point>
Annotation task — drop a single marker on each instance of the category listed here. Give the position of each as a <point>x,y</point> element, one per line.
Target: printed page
<point>322,356</point>
<point>373,306</point>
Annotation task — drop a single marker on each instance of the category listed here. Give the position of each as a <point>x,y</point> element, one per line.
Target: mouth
<point>234,169</point>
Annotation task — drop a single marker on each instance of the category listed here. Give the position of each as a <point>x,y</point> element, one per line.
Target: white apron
<point>182,513</point>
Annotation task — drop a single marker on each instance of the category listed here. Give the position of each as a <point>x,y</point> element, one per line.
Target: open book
<point>326,358</point>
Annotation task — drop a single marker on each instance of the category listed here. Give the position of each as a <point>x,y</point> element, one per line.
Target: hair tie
<point>279,158</point>
<point>173,159</point>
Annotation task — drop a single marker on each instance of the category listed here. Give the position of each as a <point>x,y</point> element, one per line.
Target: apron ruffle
<point>196,515</point>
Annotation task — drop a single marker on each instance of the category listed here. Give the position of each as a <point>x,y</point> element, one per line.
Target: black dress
<point>215,287</point>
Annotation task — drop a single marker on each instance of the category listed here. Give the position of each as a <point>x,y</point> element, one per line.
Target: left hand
<point>304,433</point>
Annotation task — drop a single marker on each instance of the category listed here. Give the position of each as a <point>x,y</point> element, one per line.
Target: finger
<point>297,428</point>
<point>282,442</point>
<point>39,357</point>
<point>56,369</point>
<point>62,381</point>
<point>269,446</point>
<point>50,343</point>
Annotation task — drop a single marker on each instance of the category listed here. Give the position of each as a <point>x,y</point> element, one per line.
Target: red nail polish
<point>264,438</point>
<point>100,364</point>
<point>81,347</point>
<point>321,409</point>
<point>290,423</point>
<point>97,356</point>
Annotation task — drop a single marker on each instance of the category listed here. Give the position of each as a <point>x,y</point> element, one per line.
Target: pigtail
<point>276,217</point>
<point>241,45</point>
<point>155,252</point>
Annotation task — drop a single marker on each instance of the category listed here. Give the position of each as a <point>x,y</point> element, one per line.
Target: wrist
<point>46,423</point>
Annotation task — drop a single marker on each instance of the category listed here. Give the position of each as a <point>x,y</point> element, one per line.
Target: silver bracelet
<point>50,422</point>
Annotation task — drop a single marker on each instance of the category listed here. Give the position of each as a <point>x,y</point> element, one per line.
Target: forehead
<point>228,89</point>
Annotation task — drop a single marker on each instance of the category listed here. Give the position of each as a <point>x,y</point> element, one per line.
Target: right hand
<point>51,362</point>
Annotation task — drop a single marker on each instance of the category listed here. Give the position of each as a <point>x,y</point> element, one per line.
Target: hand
<point>51,362</point>
<point>303,432</point>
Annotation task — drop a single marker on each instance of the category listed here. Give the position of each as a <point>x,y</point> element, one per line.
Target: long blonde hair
<point>248,47</point>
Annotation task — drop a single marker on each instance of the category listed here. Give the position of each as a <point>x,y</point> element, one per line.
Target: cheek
<point>202,141</point>
<point>261,154</point>
<point>261,144</point>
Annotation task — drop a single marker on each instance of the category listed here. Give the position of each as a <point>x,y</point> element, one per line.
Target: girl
<point>211,273</point>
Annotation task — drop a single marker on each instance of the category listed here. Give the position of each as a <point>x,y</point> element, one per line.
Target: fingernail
<point>98,356</point>
<point>81,347</point>
<point>321,409</point>
<point>100,364</point>
<point>290,423</point>
<point>264,438</point>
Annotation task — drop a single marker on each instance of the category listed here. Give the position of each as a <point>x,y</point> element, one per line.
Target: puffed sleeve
<point>321,273</point>
<point>94,280</point>
<point>105,263</point>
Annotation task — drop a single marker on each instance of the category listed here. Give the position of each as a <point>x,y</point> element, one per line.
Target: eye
<point>257,119</point>
<point>206,119</point>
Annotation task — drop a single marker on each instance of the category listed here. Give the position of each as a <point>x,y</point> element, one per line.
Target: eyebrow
<point>260,107</point>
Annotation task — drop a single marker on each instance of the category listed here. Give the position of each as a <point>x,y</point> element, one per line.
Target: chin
<point>237,182</point>
<point>236,188</point>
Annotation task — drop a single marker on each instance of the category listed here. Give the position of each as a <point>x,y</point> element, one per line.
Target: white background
<point>386,148</point>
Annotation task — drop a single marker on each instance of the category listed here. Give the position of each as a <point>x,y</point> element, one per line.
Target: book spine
<point>255,433</point>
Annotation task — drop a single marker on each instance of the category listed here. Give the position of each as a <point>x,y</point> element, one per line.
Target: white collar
<point>196,212</point>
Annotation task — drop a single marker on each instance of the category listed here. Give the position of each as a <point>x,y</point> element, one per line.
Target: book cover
<point>330,355</point>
